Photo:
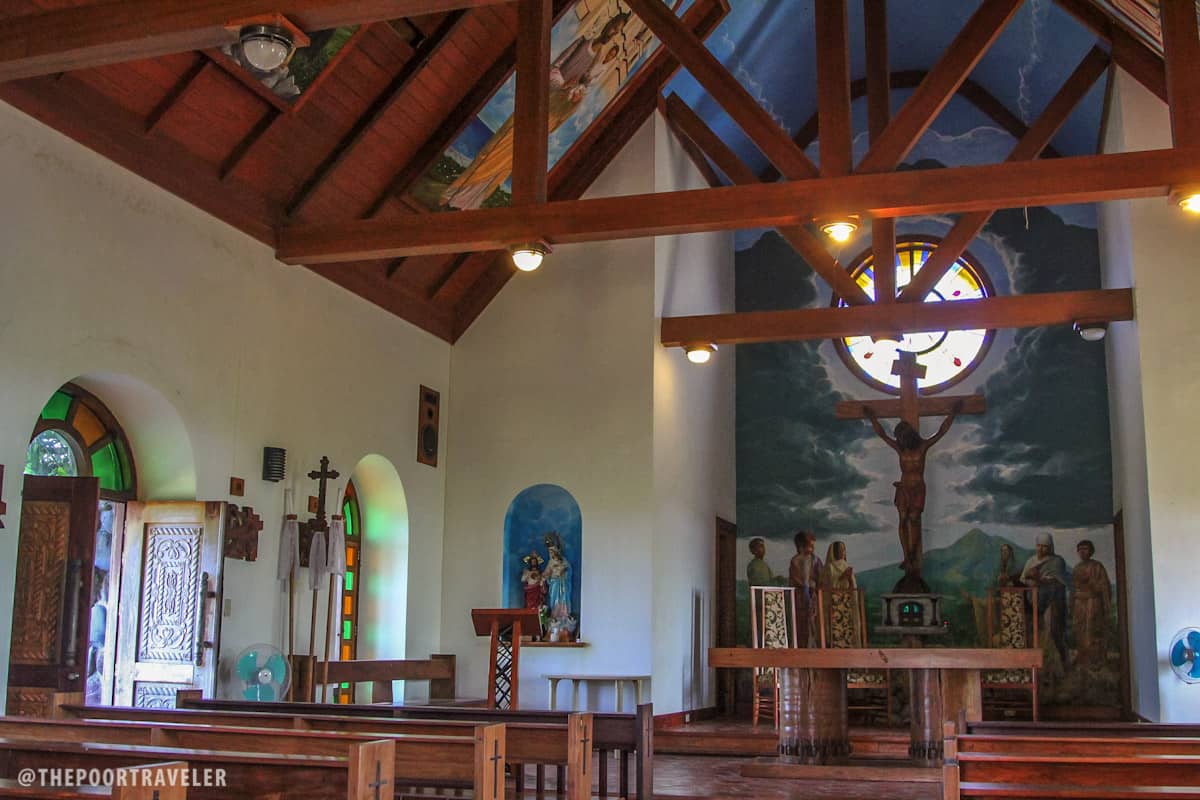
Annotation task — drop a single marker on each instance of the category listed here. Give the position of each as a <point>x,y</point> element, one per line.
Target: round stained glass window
<point>948,356</point>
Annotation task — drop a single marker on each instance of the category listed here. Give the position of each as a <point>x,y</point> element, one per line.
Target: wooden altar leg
<point>812,711</point>
<point>925,744</point>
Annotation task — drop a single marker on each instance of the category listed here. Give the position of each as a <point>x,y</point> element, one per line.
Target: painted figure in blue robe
<point>558,578</point>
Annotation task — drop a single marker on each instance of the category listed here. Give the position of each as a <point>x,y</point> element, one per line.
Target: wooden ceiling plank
<point>1009,311</point>
<point>439,283</point>
<point>928,99</point>
<point>106,33</point>
<point>833,87</point>
<point>767,134</point>
<point>249,142</point>
<point>531,112</point>
<point>1030,146</point>
<point>394,266</point>
<point>879,113</point>
<point>1129,52</point>
<point>382,104</point>
<point>1181,45</point>
<point>1110,176</point>
<point>181,87</point>
<point>811,249</point>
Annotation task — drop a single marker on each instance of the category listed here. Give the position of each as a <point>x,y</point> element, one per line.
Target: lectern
<point>505,626</point>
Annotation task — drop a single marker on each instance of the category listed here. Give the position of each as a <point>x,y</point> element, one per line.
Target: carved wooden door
<point>167,626</point>
<point>53,589</point>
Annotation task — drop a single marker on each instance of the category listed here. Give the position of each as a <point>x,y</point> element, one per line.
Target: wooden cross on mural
<point>911,448</point>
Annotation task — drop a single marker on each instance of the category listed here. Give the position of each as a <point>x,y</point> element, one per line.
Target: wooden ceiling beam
<point>1012,311</point>
<point>1147,173</point>
<point>927,101</point>
<point>531,111</point>
<point>1129,52</point>
<point>805,243</point>
<point>107,33</point>
<point>1181,45</point>
<point>383,103</point>
<point>177,92</point>
<point>833,87</point>
<point>1028,148</point>
<point>879,113</point>
<point>767,134</point>
<point>693,151</point>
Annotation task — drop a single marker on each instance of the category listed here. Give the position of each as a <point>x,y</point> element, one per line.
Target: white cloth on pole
<point>289,551</point>
<point>335,564</point>
<point>317,569</point>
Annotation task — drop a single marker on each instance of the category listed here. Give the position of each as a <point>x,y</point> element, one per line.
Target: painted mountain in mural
<point>961,573</point>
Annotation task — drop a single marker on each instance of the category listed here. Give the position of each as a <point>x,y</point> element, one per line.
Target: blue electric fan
<point>262,672</point>
<point>1185,649</point>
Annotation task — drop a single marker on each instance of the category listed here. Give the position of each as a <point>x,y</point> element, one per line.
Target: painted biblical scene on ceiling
<point>597,46</point>
<point>292,79</point>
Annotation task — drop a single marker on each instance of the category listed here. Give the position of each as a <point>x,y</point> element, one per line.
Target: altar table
<point>812,695</point>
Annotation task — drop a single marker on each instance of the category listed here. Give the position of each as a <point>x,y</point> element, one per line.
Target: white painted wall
<point>694,452</point>
<point>1159,243</point>
<point>104,274</point>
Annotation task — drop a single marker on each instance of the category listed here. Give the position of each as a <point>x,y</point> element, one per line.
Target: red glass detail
<point>957,361</point>
<point>867,355</point>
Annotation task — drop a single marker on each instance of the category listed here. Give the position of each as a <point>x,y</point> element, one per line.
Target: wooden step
<point>1037,791</point>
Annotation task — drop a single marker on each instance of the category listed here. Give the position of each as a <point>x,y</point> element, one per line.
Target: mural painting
<point>1019,495</point>
<point>543,549</point>
<point>597,45</point>
<point>301,71</point>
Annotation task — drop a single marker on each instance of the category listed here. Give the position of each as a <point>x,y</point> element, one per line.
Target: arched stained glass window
<point>77,435</point>
<point>352,513</point>
<point>948,356</point>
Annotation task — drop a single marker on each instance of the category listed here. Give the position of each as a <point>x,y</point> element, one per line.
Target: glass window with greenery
<point>77,436</point>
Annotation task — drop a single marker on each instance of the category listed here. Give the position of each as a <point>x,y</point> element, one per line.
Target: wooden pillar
<point>812,714</point>
<point>926,709</point>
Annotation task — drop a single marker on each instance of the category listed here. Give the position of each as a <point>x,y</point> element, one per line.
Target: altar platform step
<point>727,737</point>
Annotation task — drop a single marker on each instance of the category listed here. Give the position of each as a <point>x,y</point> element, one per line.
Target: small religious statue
<point>1091,604</point>
<point>1047,572</point>
<point>535,585</point>
<point>910,489</point>
<point>804,575</point>
<point>558,584</point>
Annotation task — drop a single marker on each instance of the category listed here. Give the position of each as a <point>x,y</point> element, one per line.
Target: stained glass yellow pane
<point>89,427</point>
<point>350,556</point>
<point>348,605</point>
<point>345,652</point>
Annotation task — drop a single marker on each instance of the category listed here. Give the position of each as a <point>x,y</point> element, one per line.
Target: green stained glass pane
<point>349,581</point>
<point>345,686</point>
<point>347,510</point>
<point>107,467</point>
<point>123,459</point>
<point>346,629</point>
<point>57,408</point>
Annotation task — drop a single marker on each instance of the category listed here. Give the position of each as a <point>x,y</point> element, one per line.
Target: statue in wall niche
<point>558,584</point>
<point>534,583</point>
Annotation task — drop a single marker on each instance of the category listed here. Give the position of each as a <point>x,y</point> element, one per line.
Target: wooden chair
<point>1012,613</point>
<point>843,615</point>
<point>772,624</point>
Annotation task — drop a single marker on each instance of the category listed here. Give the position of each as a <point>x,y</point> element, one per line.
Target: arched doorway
<point>80,478</point>
<point>374,610</point>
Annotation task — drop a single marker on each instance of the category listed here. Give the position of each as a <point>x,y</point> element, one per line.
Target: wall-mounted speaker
<point>427,426</point>
<point>274,464</point>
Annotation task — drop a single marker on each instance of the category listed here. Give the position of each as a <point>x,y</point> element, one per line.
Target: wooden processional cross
<point>322,475</point>
<point>911,448</point>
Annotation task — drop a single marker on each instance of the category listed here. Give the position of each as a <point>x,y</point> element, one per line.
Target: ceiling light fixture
<point>699,352</point>
<point>840,228</point>
<point>1091,331</point>
<point>266,47</point>
<point>1187,198</point>
<point>529,256</point>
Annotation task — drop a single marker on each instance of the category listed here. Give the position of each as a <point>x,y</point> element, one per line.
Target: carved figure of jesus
<point>910,489</point>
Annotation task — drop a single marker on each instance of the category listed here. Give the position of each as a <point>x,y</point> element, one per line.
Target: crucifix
<point>314,555</point>
<point>379,781</point>
<point>321,476</point>
<point>911,449</point>
<point>495,759</point>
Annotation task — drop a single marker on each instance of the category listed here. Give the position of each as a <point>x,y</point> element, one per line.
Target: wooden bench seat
<point>245,774</point>
<point>1027,791</point>
<point>1080,745</point>
<point>143,786</point>
<point>1082,770</point>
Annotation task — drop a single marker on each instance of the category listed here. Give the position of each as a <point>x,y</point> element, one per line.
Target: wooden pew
<point>419,760</point>
<point>630,735</point>
<point>1041,763</point>
<point>439,669</point>
<point>147,782</point>
<point>356,776</point>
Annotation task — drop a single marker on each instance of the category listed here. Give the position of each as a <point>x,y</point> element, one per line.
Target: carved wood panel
<point>154,695</point>
<point>170,594</point>
<point>41,575</point>
<point>29,702</point>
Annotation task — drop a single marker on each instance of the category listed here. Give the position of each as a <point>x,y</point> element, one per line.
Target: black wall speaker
<point>274,464</point>
<point>427,426</point>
